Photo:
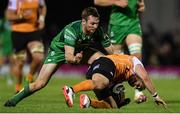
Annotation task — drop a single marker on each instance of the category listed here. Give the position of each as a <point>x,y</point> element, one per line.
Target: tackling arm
<point>69,55</point>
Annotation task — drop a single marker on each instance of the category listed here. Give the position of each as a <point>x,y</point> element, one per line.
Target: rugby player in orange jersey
<point>27,18</point>
<point>110,69</point>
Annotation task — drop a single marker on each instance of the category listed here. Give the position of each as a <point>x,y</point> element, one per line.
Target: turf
<point>51,100</point>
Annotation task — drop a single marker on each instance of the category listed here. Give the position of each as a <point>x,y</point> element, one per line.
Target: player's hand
<point>141,6</point>
<point>41,25</point>
<point>159,101</point>
<point>121,3</point>
<point>140,98</point>
<point>78,57</point>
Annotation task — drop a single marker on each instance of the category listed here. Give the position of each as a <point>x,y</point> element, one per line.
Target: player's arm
<point>42,14</point>
<point>11,12</point>
<point>120,3</point>
<point>69,55</point>
<point>112,102</point>
<point>141,6</point>
<point>70,42</point>
<point>143,75</point>
<point>12,15</point>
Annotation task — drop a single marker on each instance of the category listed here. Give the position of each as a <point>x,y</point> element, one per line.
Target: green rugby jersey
<point>122,16</point>
<point>73,35</point>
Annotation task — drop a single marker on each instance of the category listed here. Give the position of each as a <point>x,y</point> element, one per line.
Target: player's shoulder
<point>74,26</point>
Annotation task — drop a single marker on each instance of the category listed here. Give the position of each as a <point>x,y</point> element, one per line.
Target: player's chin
<point>92,31</point>
<point>140,99</point>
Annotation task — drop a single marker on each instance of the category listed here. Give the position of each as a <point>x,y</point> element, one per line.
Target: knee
<point>100,84</point>
<point>38,57</point>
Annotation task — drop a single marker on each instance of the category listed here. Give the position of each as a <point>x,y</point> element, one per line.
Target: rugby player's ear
<point>83,21</point>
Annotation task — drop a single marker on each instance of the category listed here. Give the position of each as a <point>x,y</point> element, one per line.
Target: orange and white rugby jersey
<point>124,67</point>
<point>25,6</point>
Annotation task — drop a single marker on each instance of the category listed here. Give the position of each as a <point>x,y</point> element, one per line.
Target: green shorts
<point>119,32</point>
<point>55,57</point>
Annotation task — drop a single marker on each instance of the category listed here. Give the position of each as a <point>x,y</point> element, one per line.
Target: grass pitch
<point>51,99</point>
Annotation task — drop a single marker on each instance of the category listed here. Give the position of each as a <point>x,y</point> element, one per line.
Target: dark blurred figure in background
<point>5,38</point>
<point>27,18</point>
<point>161,49</point>
<point>5,33</point>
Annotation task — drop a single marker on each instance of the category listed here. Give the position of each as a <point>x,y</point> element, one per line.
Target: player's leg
<point>118,49</point>
<point>18,60</point>
<point>134,43</point>
<point>45,74</point>
<point>50,65</point>
<point>104,96</point>
<point>94,57</point>
<point>18,57</point>
<point>36,49</point>
<point>117,35</point>
<point>98,77</point>
<point>86,102</point>
<point>98,82</point>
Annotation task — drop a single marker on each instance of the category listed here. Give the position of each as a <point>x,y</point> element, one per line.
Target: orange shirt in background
<point>29,24</point>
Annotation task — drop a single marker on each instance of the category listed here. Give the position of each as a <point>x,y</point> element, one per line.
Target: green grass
<point>51,99</point>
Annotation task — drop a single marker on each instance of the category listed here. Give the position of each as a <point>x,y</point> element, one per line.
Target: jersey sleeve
<point>69,37</point>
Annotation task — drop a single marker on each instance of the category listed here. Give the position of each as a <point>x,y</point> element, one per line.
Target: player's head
<point>136,82</point>
<point>90,20</point>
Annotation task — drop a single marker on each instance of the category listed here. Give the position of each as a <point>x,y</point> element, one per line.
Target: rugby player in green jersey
<point>5,34</point>
<point>124,27</point>
<point>74,44</point>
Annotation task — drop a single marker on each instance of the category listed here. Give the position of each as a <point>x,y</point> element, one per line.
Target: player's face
<point>91,24</point>
<point>136,82</point>
<point>139,85</point>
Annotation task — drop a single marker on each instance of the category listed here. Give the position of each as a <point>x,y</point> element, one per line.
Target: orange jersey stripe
<point>124,66</point>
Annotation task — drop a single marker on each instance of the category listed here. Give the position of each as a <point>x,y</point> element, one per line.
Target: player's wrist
<point>42,18</point>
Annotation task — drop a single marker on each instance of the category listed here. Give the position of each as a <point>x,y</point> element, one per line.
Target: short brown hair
<point>89,11</point>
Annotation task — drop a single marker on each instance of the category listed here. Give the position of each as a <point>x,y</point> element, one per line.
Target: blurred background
<point>160,23</point>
